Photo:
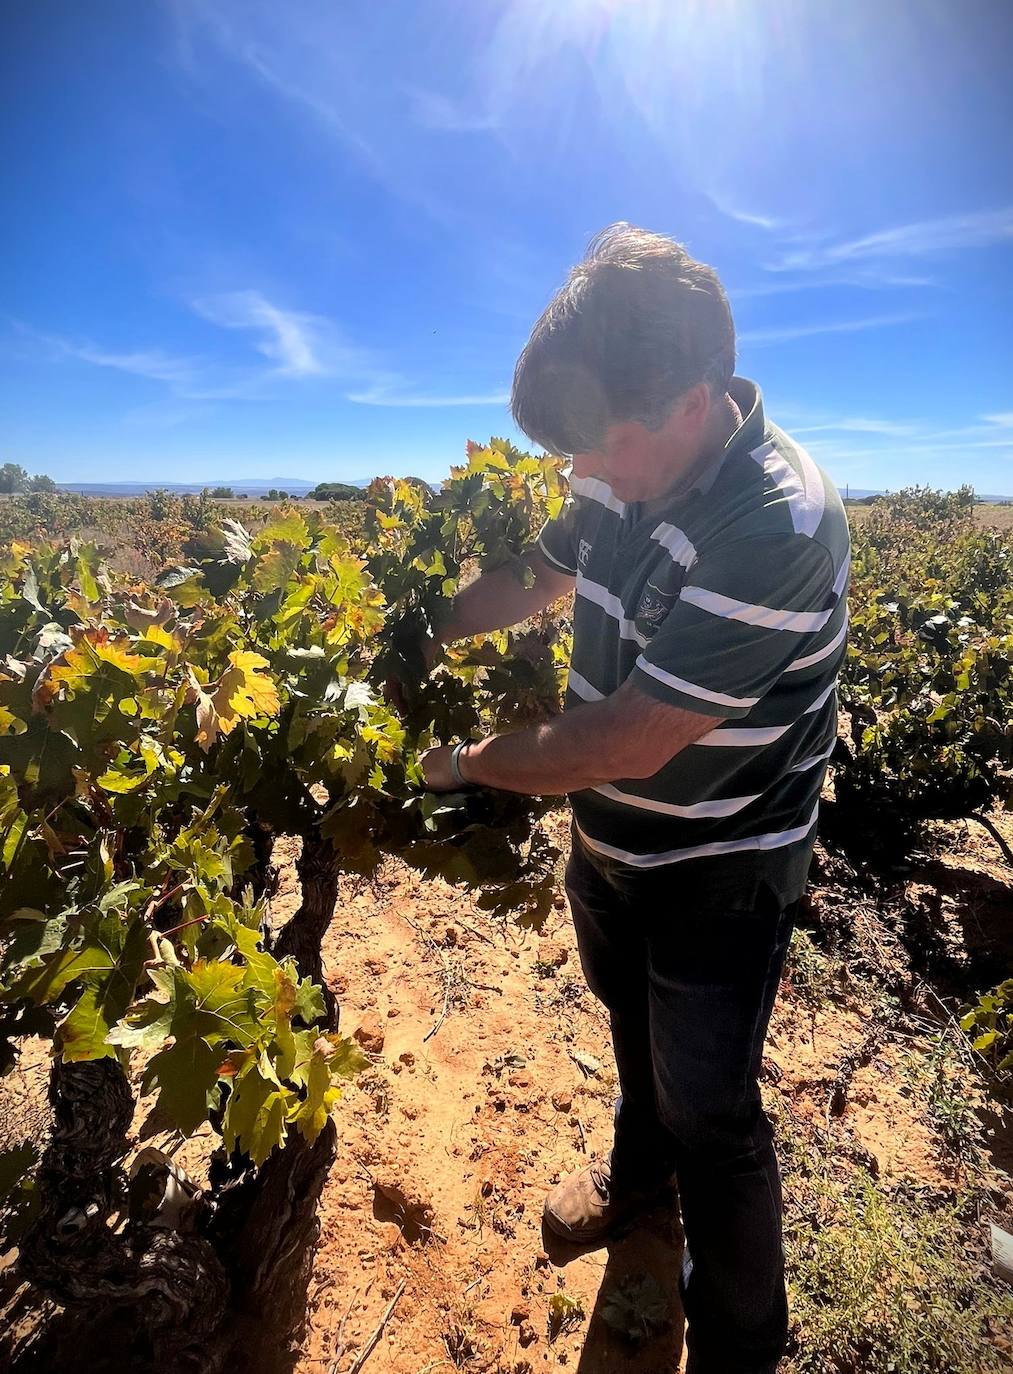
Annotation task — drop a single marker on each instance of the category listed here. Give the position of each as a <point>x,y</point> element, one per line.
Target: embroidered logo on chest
<point>656,600</point>
<point>583,553</point>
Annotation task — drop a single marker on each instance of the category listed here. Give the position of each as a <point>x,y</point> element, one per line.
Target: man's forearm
<point>627,735</point>
<point>499,599</point>
<point>564,754</point>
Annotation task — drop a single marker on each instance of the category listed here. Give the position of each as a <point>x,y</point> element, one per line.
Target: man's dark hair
<point>636,324</point>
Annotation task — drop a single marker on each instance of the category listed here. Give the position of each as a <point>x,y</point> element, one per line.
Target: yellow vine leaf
<point>242,692</point>
<point>93,647</point>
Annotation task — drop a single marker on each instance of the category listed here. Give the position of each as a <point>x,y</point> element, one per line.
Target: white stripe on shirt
<point>675,541</point>
<point>841,580</point>
<point>719,807</point>
<point>582,688</point>
<point>798,622</point>
<point>821,700</point>
<point>722,736</point>
<point>691,688</point>
<point>820,654</point>
<point>810,513</point>
<point>814,759</point>
<point>611,605</point>
<point>745,737</point>
<point>804,494</point>
<point>748,736</point>
<point>773,840</point>
<point>596,490</point>
<point>553,559</point>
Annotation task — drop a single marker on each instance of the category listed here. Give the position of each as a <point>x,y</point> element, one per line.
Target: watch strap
<point>455,765</point>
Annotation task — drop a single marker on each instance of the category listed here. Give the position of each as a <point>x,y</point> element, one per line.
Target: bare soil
<point>491,1077</point>
<point>450,1141</point>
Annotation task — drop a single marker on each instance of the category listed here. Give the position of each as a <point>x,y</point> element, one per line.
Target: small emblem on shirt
<point>652,608</point>
<point>583,553</point>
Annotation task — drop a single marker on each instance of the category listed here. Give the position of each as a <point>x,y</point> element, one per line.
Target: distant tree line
<point>14,479</point>
<point>323,491</point>
<point>336,491</point>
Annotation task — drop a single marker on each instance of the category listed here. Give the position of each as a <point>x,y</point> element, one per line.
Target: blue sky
<point>307,239</point>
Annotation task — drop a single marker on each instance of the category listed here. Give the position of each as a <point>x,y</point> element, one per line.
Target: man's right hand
<point>494,601</point>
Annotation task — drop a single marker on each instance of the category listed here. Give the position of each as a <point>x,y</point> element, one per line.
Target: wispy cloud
<point>388,396</point>
<point>752,217</point>
<point>296,343</point>
<point>924,238</point>
<point>786,333</point>
<point>151,363</point>
<point>294,347</point>
<point>186,378</point>
<point>886,453</point>
<point>858,425</point>
<point>438,112</point>
<point>297,348</point>
<point>866,278</point>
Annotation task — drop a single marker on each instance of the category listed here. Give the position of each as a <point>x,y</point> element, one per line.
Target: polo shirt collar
<point>747,436</point>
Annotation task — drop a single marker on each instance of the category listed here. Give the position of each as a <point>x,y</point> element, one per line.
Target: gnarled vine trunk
<point>262,875</point>
<point>265,1225</point>
<point>172,1282</point>
<point>301,939</point>
<point>187,1293</point>
<point>265,1228</point>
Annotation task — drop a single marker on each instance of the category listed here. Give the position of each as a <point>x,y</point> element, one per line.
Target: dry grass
<point>986,516</point>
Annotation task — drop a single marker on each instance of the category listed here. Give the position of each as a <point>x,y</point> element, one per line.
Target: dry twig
<point>448,983</point>
<point>367,1349</point>
<point>339,1346</point>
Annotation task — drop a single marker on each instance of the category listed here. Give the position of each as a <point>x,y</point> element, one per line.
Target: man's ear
<point>689,416</point>
<point>695,406</point>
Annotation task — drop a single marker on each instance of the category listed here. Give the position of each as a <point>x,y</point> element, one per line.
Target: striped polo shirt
<point>730,601</point>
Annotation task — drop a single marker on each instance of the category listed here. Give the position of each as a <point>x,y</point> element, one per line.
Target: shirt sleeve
<point>557,539</point>
<point>745,613</point>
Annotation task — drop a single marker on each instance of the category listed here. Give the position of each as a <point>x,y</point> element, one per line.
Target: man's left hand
<point>435,765</point>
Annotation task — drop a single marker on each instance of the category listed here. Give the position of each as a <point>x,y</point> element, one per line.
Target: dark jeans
<point>689,970</point>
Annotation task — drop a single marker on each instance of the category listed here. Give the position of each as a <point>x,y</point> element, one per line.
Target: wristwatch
<point>455,765</point>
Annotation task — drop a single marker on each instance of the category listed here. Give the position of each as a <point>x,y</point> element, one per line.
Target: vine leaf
<point>206,1007</point>
<point>108,963</point>
<point>187,1077</point>
<point>254,1119</point>
<point>243,692</point>
<point>321,1096</point>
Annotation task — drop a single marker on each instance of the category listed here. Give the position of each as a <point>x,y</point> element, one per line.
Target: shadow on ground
<point>637,1322</point>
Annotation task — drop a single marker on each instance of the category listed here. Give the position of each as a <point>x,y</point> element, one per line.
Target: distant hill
<point>861,493</point>
<point>251,486</point>
<point>254,486</point>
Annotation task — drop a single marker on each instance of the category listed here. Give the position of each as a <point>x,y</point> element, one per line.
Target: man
<point>709,556</point>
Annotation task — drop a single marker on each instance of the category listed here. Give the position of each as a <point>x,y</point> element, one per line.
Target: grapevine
<point>156,737</point>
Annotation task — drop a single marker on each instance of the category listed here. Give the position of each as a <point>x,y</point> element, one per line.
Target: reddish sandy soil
<point>449,1142</point>
<point>491,1077</point>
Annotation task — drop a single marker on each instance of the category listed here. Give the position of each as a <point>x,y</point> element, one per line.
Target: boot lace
<point>601,1178</point>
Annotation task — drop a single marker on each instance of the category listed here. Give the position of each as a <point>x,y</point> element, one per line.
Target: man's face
<point>641,464</point>
<point>626,461</point>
